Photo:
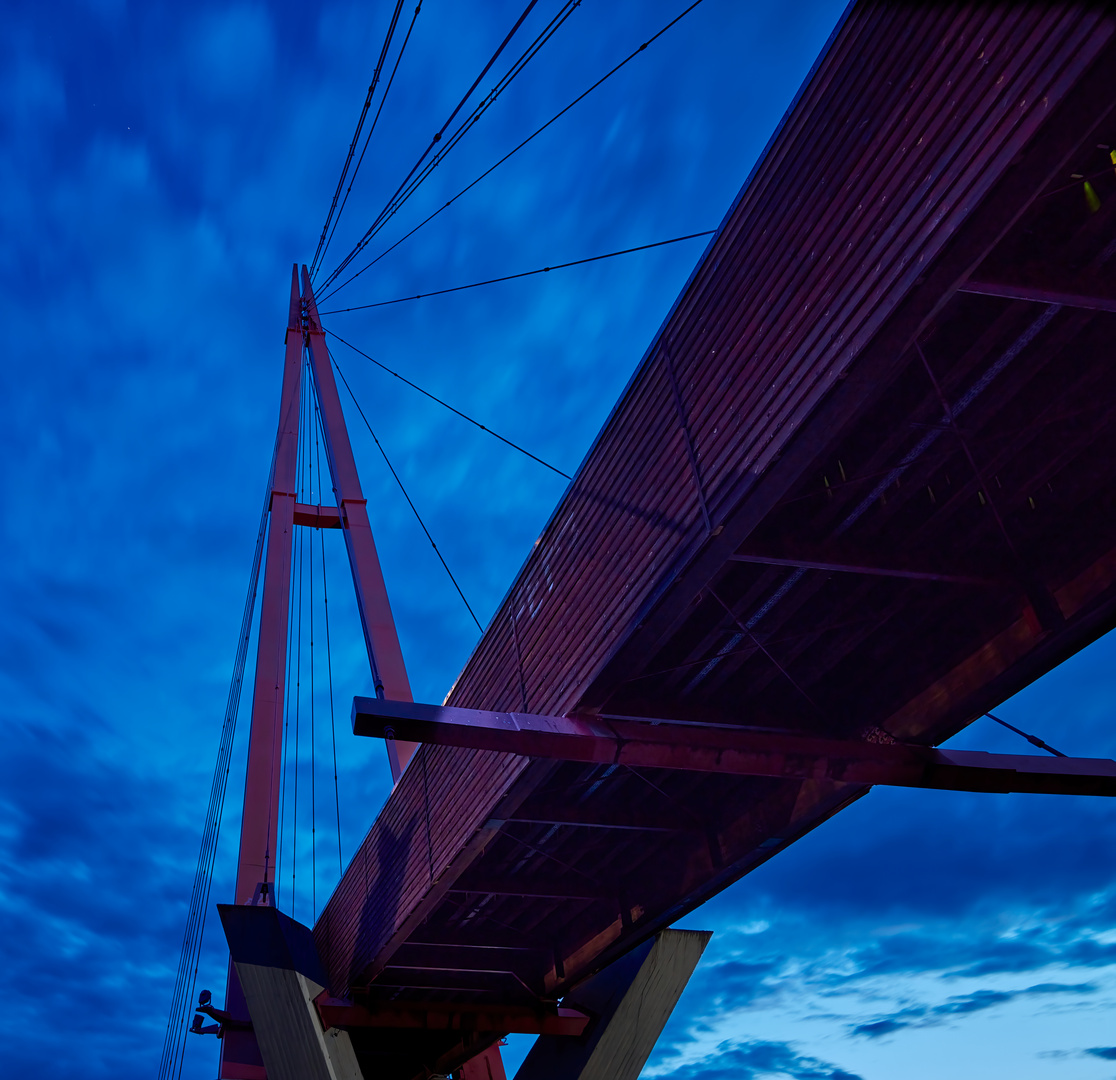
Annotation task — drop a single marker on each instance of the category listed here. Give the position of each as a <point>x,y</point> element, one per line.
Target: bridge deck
<point>780,524</point>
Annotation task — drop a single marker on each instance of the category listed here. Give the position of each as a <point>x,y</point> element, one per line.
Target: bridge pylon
<point>241,1057</point>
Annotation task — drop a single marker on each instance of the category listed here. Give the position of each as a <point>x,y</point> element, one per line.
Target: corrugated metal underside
<point>932,143</point>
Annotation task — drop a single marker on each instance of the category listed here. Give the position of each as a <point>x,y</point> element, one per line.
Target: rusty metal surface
<point>932,143</point>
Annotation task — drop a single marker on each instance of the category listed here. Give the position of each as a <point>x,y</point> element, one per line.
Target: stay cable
<point>511,153</point>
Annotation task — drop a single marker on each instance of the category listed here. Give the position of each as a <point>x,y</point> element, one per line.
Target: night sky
<point>162,166</point>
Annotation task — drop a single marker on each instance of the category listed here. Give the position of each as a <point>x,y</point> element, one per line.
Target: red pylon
<point>255,875</point>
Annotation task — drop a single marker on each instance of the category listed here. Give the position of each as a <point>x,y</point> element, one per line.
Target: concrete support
<point>486,1066</point>
<point>280,974</point>
<point>631,1001</point>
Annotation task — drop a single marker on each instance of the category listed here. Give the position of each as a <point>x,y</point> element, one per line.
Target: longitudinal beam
<point>1082,291</point>
<point>732,751</point>
<point>807,562</point>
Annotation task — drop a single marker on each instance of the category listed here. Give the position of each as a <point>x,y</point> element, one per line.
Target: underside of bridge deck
<point>862,486</point>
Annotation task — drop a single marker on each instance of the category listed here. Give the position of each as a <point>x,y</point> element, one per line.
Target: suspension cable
<point>298,668</point>
<point>174,1042</point>
<point>446,405</point>
<point>438,135</point>
<point>314,784</point>
<point>294,583</point>
<point>420,171</point>
<point>284,782</point>
<point>475,116</point>
<point>329,672</point>
<point>368,138</point>
<point>414,509</point>
<point>515,150</point>
<point>1034,740</point>
<point>522,274</point>
<point>322,241</point>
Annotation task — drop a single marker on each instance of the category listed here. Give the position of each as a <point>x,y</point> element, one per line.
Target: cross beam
<point>731,751</point>
<point>452,1016</point>
<point>317,517</point>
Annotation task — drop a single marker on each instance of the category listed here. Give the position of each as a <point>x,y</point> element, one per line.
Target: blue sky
<point>161,167</point>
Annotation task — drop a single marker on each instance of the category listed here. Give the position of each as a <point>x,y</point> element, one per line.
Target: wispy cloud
<point>960,1005</point>
<point>745,1060</point>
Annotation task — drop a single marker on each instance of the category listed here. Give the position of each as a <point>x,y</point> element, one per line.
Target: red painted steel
<point>1089,295</point>
<point>875,570</point>
<point>436,1016</point>
<point>733,751</point>
<point>430,830</point>
<point>317,517</point>
<point>380,637</point>
<point>795,284</point>
<point>240,1057</point>
<point>260,821</point>
<point>259,825</point>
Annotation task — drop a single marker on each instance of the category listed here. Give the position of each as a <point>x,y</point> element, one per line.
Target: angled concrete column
<point>630,1002</point>
<point>281,975</point>
<point>486,1066</point>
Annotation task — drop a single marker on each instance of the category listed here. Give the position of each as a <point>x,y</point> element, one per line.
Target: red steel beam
<point>732,751</point>
<point>317,517</point>
<point>260,821</point>
<point>385,657</point>
<point>1070,291</point>
<point>240,1057</point>
<point>451,1016</point>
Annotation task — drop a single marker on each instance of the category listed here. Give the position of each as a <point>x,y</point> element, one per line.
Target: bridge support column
<point>486,1066</point>
<point>631,1001</point>
<point>280,974</point>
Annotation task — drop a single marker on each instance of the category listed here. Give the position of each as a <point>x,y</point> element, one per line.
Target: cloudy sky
<point>162,165</point>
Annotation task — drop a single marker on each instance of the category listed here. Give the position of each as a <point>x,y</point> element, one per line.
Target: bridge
<point>860,489</point>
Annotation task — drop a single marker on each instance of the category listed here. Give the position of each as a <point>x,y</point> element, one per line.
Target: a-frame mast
<point>255,874</point>
<point>259,825</point>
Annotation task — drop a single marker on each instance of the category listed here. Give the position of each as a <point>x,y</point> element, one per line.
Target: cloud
<point>878,1028</point>
<point>960,1005</point>
<point>230,51</point>
<point>33,92</point>
<point>82,896</point>
<point>755,1059</point>
<point>737,981</point>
